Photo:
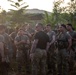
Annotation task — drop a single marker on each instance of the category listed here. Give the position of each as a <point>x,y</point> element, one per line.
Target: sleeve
<point>36,36</point>
<point>75,35</point>
<point>24,37</point>
<point>1,39</point>
<point>7,39</point>
<point>17,38</point>
<point>68,36</point>
<point>53,33</point>
<point>12,35</point>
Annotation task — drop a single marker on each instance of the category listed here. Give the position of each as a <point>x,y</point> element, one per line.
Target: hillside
<point>35,11</point>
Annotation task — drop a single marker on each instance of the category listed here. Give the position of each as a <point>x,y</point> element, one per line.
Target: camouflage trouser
<point>75,53</point>
<point>4,67</point>
<point>63,66</point>
<point>10,52</point>
<point>27,62</point>
<point>23,60</point>
<point>71,60</point>
<point>51,61</point>
<point>19,59</point>
<point>38,62</point>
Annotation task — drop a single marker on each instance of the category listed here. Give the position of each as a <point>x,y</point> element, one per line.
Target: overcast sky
<point>38,4</point>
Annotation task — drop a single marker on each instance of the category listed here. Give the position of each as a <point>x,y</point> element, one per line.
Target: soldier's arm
<point>17,43</point>
<point>75,36</point>
<point>2,51</point>
<point>47,46</point>
<point>53,40</point>
<point>28,41</point>
<point>11,38</point>
<point>34,44</point>
<point>69,43</point>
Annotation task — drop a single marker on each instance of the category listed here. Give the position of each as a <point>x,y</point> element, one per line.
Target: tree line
<point>18,16</point>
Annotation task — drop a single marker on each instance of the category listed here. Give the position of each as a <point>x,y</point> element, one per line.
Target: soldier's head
<point>39,26</point>
<point>21,32</point>
<point>62,27</point>
<point>69,27</point>
<point>48,27</point>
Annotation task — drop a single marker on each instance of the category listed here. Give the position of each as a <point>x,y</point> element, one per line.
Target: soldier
<point>7,41</point>
<point>12,37</point>
<point>64,45</point>
<point>21,41</point>
<point>3,63</point>
<point>13,34</point>
<point>38,52</point>
<point>51,56</point>
<point>72,53</point>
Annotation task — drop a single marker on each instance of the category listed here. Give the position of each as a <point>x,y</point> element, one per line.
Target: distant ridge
<point>35,11</point>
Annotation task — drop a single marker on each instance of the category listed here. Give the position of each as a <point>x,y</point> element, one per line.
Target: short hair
<point>20,29</point>
<point>70,26</point>
<point>63,25</point>
<point>39,24</point>
<point>48,25</point>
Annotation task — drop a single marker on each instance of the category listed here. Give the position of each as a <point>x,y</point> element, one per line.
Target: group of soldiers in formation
<point>40,50</point>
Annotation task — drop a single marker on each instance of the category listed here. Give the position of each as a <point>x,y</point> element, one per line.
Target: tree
<point>55,16</point>
<point>71,9</point>
<point>47,18</point>
<point>3,17</point>
<point>57,11</point>
<point>18,13</point>
<point>66,14</point>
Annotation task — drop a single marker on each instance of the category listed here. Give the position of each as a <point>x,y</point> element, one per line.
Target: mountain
<point>35,11</point>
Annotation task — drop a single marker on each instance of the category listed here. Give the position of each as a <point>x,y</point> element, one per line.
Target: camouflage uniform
<point>39,55</point>
<point>4,66</point>
<point>72,53</point>
<point>51,55</point>
<point>39,62</point>
<point>73,35</point>
<point>63,54</point>
<point>8,45</point>
<point>22,53</point>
